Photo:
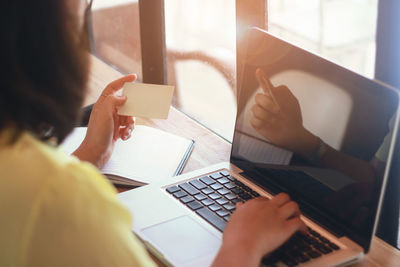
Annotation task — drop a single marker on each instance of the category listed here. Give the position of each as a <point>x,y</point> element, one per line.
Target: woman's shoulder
<point>31,159</point>
<point>57,199</point>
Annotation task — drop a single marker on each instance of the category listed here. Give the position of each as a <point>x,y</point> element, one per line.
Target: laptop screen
<point>315,130</point>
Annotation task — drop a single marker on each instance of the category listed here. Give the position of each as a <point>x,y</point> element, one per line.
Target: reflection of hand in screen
<point>277,114</point>
<point>277,117</point>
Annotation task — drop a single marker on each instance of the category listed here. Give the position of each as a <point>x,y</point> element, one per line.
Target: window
<point>201,58</point>
<point>116,34</point>
<point>342,31</point>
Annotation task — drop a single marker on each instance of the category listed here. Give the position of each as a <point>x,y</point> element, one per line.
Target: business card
<point>147,100</point>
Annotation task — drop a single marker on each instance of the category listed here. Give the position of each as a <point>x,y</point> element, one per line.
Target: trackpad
<point>182,239</point>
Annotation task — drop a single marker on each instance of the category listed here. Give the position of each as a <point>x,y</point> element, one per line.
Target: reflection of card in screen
<point>147,100</point>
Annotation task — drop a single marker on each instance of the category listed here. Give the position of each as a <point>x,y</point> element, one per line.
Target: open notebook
<point>148,156</point>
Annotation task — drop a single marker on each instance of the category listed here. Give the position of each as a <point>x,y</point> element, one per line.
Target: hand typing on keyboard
<point>256,228</point>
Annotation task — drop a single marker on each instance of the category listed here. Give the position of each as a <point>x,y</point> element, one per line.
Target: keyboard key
<point>269,260</point>
<point>209,216</point>
<point>314,254</point>
<point>226,218</point>
<point>179,194</point>
<point>207,180</point>
<point>194,205</point>
<point>229,207</point>
<point>245,196</point>
<point>314,233</point>
<point>198,184</point>
<point>230,196</point>
<point>216,186</point>
<point>231,178</point>
<point>200,197</point>
<point>207,191</point>
<point>188,188</point>
<point>237,200</point>
<point>187,199</point>
<point>306,247</point>
<point>224,173</point>
<point>289,261</point>
<point>254,193</point>
<point>323,239</point>
<point>215,207</point>
<point>222,213</point>
<point>172,189</point>
<point>222,201</point>
<point>239,183</point>
<point>245,187</point>
<point>223,180</point>
<point>302,258</point>
<point>237,190</point>
<point>230,185</point>
<point>223,191</point>
<point>214,196</point>
<point>333,246</point>
<point>324,249</point>
<point>216,175</point>
<point>207,202</point>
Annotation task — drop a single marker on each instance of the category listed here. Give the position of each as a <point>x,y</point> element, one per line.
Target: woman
<point>58,210</point>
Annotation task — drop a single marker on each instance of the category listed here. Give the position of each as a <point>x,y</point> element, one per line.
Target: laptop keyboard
<point>300,249</point>
<point>213,197</point>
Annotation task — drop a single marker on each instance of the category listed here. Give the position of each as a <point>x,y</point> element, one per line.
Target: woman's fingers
<point>118,84</point>
<point>129,120</point>
<point>126,121</point>
<point>263,81</point>
<point>127,126</point>
<point>289,209</point>
<point>256,123</point>
<point>267,86</point>
<point>295,224</point>
<point>113,102</point>
<point>280,199</point>
<point>125,133</point>
<point>263,115</point>
<point>118,101</point>
<point>267,103</point>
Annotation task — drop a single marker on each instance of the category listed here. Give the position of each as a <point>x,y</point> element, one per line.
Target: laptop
<point>181,219</point>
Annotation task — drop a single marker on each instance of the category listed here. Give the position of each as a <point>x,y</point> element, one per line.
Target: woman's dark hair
<point>43,67</point>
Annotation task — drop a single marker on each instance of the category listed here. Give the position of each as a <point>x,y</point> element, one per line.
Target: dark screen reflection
<point>315,130</point>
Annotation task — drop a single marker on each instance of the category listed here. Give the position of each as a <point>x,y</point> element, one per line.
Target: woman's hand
<point>257,228</point>
<point>277,117</point>
<point>105,125</point>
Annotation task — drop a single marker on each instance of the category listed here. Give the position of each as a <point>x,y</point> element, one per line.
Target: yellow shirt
<point>58,211</point>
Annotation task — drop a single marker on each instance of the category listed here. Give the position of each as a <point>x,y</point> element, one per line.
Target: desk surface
<point>210,149</point>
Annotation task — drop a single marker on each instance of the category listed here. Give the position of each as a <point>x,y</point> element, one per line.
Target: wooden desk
<point>210,149</point>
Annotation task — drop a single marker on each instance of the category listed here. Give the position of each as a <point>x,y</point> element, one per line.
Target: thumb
<point>118,100</point>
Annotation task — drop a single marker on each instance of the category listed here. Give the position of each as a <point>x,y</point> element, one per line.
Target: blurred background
<point>200,45</point>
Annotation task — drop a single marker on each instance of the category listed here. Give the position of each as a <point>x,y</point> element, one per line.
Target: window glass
<point>342,31</point>
<point>200,48</point>
<point>116,34</point>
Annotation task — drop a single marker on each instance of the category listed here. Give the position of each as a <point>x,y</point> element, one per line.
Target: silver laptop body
<point>351,113</point>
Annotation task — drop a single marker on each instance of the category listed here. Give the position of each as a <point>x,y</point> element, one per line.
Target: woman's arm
<point>105,125</point>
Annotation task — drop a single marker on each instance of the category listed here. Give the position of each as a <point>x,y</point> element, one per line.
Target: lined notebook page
<point>260,151</point>
<point>149,155</point>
